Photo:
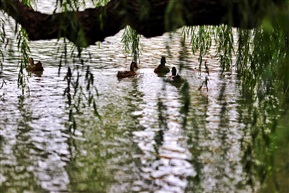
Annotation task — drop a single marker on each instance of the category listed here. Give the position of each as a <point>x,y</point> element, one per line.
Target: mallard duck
<point>162,69</point>
<point>175,78</point>
<point>123,74</point>
<point>34,67</point>
<point>174,71</point>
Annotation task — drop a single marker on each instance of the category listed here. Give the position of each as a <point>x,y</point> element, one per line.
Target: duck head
<point>163,60</point>
<point>133,65</point>
<point>174,71</point>
<point>31,61</point>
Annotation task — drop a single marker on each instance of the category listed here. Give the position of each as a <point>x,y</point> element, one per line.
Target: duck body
<point>162,68</point>
<point>124,74</point>
<point>34,67</point>
<point>178,79</point>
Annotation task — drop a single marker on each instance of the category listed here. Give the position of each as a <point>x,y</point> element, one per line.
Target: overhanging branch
<point>148,17</point>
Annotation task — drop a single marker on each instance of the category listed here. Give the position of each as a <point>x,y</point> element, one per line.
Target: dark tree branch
<point>70,25</point>
<point>148,17</point>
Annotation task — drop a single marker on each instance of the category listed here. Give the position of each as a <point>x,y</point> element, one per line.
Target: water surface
<point>143,141</point>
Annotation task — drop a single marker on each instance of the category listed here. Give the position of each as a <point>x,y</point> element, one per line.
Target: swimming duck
<point>123,74</point>
<point>175,78</point>
<point>34,67</point>
<point>162,69</point>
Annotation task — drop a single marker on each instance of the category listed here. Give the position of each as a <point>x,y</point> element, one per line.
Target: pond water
<point>144,139</point>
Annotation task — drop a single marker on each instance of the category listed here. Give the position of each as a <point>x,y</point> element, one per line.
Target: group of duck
<point>161,69</point>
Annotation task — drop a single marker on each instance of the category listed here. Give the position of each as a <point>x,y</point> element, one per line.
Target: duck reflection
<point>165,164</point>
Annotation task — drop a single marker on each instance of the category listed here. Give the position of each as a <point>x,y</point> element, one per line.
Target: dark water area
<point>144,139</point>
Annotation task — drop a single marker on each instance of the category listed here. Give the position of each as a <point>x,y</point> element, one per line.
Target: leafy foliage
<point>131,41</point>
<point>24,50</point>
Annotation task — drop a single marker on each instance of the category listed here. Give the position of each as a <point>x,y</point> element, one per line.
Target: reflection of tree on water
<point>34,155</point>
<point>227,140</point>
<point>259,142</point>
<point>213,134</point>
<point>264,79</point>
<point>164,161</point>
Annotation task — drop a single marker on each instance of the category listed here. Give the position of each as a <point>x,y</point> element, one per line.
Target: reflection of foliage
<point>185,94</point>
<point>262,66</point>
<point>162,119</point>
<point>262,63</point>
<point>78,96</point>
<point>259,140</point>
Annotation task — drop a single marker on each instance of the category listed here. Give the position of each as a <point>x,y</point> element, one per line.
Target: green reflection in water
<point>229,138</point>
<point>103,161</point>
